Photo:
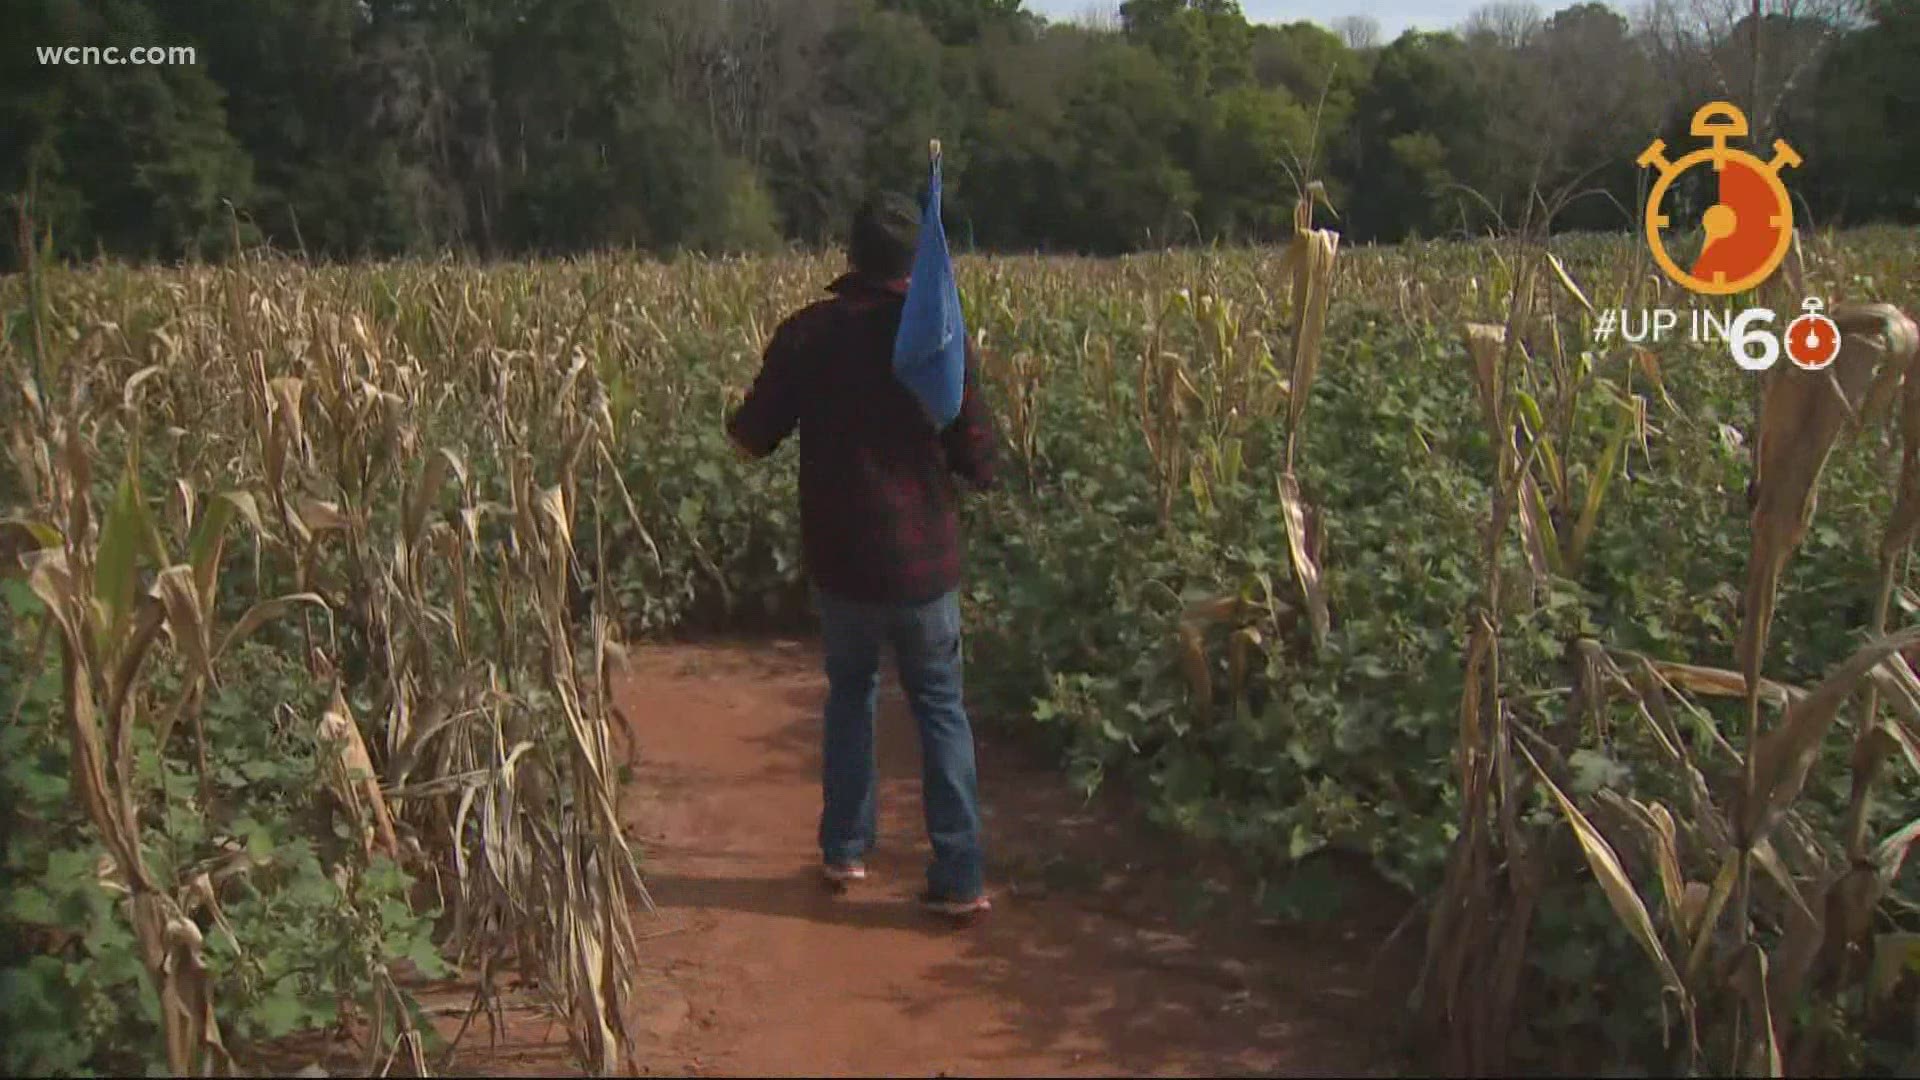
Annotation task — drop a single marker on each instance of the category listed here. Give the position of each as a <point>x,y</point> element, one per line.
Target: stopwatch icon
<point>1812,340</point>
<point>1749,228</point>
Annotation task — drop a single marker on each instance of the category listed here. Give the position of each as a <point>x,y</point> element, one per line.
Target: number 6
<point>1743,338</point>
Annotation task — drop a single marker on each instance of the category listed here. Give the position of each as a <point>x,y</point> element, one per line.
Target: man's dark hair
<point>885,230</point>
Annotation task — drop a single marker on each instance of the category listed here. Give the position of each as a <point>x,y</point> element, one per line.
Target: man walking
<point>880,535</point>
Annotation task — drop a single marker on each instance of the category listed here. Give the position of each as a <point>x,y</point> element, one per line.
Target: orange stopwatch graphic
<point>1749,229</point>
<point>1812,340</point>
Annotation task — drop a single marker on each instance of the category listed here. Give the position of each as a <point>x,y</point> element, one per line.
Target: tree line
<point>357,128</point>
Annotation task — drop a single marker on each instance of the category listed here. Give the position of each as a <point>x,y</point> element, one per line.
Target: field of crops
<point>1452,586</point>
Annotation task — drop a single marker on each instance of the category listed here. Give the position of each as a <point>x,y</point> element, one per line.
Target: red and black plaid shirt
<point>879,518</point>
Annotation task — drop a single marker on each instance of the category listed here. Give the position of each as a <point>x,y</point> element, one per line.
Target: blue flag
<point>930,351</point>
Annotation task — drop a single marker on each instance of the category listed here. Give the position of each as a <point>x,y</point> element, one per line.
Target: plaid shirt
<point>879,517</point>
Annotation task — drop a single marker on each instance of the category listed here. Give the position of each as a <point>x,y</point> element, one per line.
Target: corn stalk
<point>432,585</point>
<point>1735,1000</point>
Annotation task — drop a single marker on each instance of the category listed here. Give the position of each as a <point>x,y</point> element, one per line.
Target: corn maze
<point>315,579</point>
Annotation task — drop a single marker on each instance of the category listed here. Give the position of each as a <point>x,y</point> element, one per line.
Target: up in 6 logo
<point>1749,229</point>
<point>1746,233</point>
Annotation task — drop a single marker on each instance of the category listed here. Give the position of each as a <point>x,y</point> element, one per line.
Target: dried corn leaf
<point>1485,341</point>
<point>1613,879</point>
<point>318,516</point>
<point>1240,649</point>
<point>1312,285</point>
<point>1662,840</point>
<point>1536,531</point>
<point>1305,570</point>
<point>186,619</point>
<point>338,728</point>
<point>1891,853</point>
<point>1750,979</point>
<point>1802,414</point>
<point>1719,682</point>
<point>1894,955</point>
<point>263,612</point>
<point>1194,665</point>
<point>1216,610</point>
<point>1782,757</point>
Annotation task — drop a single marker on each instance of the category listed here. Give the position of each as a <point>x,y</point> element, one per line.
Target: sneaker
<point>841,875</point>
<point>956,909</point>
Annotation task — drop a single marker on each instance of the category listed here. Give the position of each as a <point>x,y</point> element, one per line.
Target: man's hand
<point>769,411</point>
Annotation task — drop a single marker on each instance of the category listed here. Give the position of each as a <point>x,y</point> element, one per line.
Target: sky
<point>1392,15</point>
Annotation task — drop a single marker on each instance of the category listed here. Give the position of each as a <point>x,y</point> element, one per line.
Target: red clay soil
<point>1085,967</point>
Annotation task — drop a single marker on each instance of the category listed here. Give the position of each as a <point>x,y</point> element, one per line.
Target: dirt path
<point>1083,968</point>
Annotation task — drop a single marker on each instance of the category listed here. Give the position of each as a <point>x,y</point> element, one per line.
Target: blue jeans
<point>926,645</point>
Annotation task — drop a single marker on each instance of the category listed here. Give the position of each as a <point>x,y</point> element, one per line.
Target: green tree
<point>598,155</point>
<point>884,91</point>
<point>1207,43</point>
<point>1599,103</point>
<point>1318,71</point>
<point>1416,143</point>
<point>963,22</point>
<point>1013,192</point>
<point>1306,61</point>
<point>1862,160</point>
<point>355,127</point>
<point>1124,187</point>
<point>134,159</point>
<point>297,105</point>
<point>1253,163</point>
